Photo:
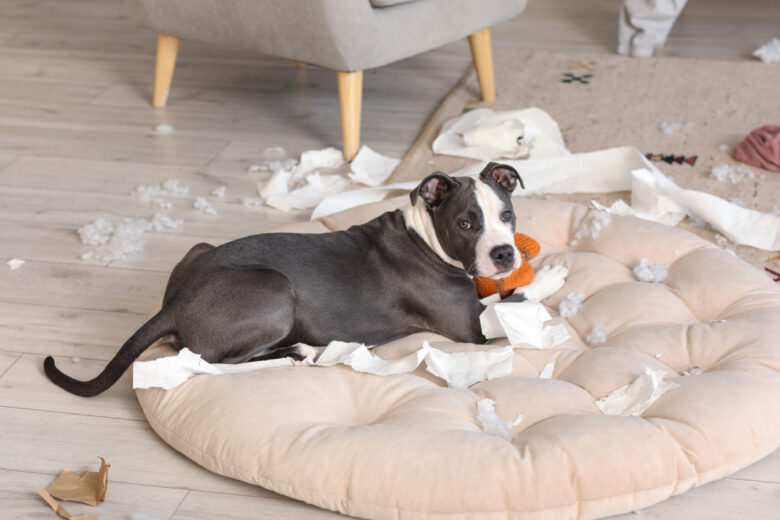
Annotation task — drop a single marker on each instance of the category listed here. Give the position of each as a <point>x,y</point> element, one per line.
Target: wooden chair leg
<point>350,99</point>
<point>298,64</point>
<point>167,50</point>
<point>482,53</point>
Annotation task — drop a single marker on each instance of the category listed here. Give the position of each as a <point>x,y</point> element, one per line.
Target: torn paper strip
<point>637,397</point>
<point>491,423</point>
<point>487,135</point>
<point>61,511</point>
<point>15,263</point>
<point>371,168</point>
<point>463,369</point>
<point>361,359</point>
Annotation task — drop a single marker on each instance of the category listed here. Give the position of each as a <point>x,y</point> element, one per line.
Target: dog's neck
<point>417,219</point>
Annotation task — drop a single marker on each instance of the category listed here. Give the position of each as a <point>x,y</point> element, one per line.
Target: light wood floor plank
<point>720,500</point>
<point>18,500</point>
<point>7,359</point>
<point>25,386</point>
<point>765,470</point>
<point>46,442</point>
<point>65,331</point>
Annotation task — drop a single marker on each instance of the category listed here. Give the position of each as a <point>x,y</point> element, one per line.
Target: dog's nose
<point>503,255</point>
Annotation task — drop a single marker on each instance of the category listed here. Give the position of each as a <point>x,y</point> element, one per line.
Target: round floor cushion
<point>408,447</point>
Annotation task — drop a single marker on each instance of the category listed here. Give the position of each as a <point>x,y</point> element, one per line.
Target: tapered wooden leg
<point>298,64</point>
<point>350,99</point>
<point>482,52</point>
<point>167,50</point>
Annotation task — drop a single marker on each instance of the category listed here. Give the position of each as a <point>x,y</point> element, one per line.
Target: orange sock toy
<point>528,248</point>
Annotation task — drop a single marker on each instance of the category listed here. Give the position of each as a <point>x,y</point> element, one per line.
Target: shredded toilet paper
<point>592,226</point>
<point>637,397</point>
<point>116,242</point>
<point>487,135</point>
<point>649,271</point>
<point>201,204</point>
<point>491,423</point>
<point>371,168</point>
<point>522,323</point>
<point>15,263</point>
<point>460,369</point>
<point>463,369</point>
<point>597,335</point>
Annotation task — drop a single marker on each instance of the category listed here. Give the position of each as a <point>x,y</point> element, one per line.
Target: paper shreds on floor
<point>669,128</point>
<point>731,172</point>
<point>201,204</point>
<point>522,323</point>
<point>547,371</point>
<point>769,52</point>
<point>371,168</point>
<point>219,192</point>
<point>303,187</point>
<point>491,423</point>
<point>157,193</point>
<point>463,369</point>
<point>88,488</point>
<point>116,242</point>
<point>637,397</point>
<point>163,129</point>
<point>252,202</point>
<point>649,271</point>
<point>15,263</point>
<point>570,306</point>
<point>723,147</point>
<point>592,226</point>
<point>597,335</point>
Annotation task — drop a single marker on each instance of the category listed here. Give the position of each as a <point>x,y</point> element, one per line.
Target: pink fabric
<point>761,148</point>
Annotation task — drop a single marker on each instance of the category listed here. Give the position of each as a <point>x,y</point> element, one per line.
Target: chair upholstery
<point>344,35</point>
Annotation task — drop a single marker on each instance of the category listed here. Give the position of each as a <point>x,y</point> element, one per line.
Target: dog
<point>406,271</point>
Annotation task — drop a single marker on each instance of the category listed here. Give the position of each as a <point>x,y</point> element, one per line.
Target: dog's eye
<point>464,224</point>
<point>506,216</point>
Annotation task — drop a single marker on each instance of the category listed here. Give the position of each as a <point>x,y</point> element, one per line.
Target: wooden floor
<point>77,136</point>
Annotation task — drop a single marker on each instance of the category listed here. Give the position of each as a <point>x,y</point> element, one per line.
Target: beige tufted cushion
<point>407,447</point>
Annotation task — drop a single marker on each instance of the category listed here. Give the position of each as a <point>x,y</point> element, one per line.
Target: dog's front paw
<point>547,281</point>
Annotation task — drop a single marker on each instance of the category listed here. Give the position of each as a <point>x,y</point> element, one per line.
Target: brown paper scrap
<point>61,510</point>
<point>88,487</point>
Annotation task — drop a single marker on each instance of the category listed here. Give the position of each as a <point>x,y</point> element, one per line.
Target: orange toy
<point>528,248</point>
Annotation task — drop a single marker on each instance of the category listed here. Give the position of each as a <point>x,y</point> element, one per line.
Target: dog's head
<point>469,221</point>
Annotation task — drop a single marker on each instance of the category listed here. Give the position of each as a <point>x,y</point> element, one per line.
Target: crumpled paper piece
<point>635,398</point>
<point>371,168</point>
<point>463,369</point>
<point>488,135</point>
<point>88,488</point>
<point>522,323</point>
<point>491,423</point>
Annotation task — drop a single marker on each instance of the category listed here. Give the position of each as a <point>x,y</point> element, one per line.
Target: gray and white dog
<point>406,271</point>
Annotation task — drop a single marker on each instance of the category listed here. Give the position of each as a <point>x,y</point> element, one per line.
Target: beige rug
<point>602,101</point>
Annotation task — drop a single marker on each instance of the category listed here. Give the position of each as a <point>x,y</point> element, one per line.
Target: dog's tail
<point>158,326</point>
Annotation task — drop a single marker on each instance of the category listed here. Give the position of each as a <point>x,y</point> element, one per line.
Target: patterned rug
<point>686,115</point>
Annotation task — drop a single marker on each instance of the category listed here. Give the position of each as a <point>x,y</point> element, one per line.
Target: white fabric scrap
<point>597,335</point>
<point>491,423</point>
<point>371,168</point>
<point>487,135</point>
<point>201,204</point>
<point>649,271</point>
<point>463,369</point>
<point>769,52</point>
<point>15,263</point>
<point>547,371</point>
<point>570,306</point>
<point>635,398</point>
<point>522,323</point>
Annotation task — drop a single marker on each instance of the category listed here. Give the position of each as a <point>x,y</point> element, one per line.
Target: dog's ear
<point>433,189</point>
<point>504,175</point>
